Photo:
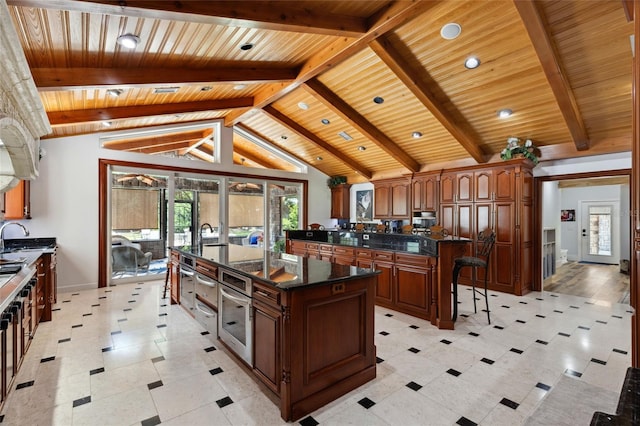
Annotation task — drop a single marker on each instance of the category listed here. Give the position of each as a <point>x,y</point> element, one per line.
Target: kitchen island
<point>311,323</point>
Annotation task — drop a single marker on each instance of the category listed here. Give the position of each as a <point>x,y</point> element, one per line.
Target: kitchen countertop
<point>12,284</point>
<point>282,270</point>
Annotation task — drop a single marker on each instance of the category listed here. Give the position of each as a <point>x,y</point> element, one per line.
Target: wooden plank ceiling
<point>299,73</point>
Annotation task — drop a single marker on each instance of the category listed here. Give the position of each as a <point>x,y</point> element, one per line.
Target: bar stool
<point>166,279</point>
<point>482,251</point>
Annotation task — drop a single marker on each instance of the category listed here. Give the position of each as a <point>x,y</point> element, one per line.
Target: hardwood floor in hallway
<point>590,280</point>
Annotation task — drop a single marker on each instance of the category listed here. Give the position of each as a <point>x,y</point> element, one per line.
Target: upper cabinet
<point>425,192</point>
<point>340,201</point>
<point>392,198</point>
<point>457,187</point>
<point>17,202</point>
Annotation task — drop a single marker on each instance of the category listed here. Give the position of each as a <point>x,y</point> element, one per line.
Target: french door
<point>599,232</point>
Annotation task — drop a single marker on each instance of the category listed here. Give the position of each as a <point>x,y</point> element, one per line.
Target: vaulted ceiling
<point>298,73</point>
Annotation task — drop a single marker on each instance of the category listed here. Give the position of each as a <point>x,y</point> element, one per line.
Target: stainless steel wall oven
<point>187,282</point>
<point>234,313</point>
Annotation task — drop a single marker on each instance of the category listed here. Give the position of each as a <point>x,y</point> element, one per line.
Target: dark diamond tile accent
<point>81,401</point>
<point>95,305</point>
<point>116,332</point>
<point>68,339</point>
<point>161,326</point>
<point>558,312</point>
<point>47,359</point>
<point>87,315</point>
<point>135,294</point>
<point>463,421</point>
<point>415,327</point>
<point>620,351</point>
<point>499,327</point>
<point>414,350</point>
<point>127,309</point>
<point>564,334</point>
<point>598,361</point>
<point>487,361</point>
<point>388,315</point>
<point>445,341</point>
<point>384,333</point>
<point>55,309</point>
<point>379,360</point>
<point>96,371</point>
<point>66,301</point>
<point>523,303</point>
<point>157,359</point>
<point>589,303</point>
<point>539,298</point>
<point>122,320</point>
<point>210,349</point>
<point>454,373</point>
<point>521,322</point>
<point>366,403</point>
<point>572,373</point>
<point>76,326</point>
<point>543,386</point>
<point>138,288</point>
<point>505,306</point>
<point>151,421</point>
<point>471,333</point>
<point>542,342</point>
<point>601,322</point>
<point>215,371</point>
<point>308,421</point>
<point>414,386</point>
<point>540,316</point>
<point>517,351</point>
<point>163,315</point>
<point>616,316</point>
<point>582,327</point>
<point>464,315</point>
<point>163,305</point>
<point>109,291</point>
<point>629,312</point>
<point>493,295</point>
<point>509,403</point>
<point>107,349</point>
<point>224,402</point>
<point>155,385</point>
<point>102,297</point>
<point>554,295</point>
<point>132,301</point>
<point>574,307</point>
<point>25,384</point>
<point>204,333</point>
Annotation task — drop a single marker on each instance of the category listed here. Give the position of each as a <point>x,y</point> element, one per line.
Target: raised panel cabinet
<point>17,204</point>
<point>267,316</point>
<point>340,207</point>
<point>425,192</point>
<point>392,199</point>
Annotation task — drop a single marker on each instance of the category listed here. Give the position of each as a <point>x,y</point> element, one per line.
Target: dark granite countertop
<point>285,271</point>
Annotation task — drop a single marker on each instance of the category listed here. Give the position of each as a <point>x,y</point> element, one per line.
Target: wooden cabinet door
<point>483,185</point>
<point>400,198</point>
<point>417,192</point>
<point>505,184</point>
<point>464,187</point>
<point>447,218</point>
<point>382,201</point>
<point>503,250</point>
<point>413,290</point>
<point>17,202</point>
<point>267,323</point>
<point>340,207</point>
<point>430,194</point>
<point>175,283</point>
<point>384,289</point>
<point>448,188</point>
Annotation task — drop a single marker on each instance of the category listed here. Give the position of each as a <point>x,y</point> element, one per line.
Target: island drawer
<point>343,251</point>
<point>383,256</point>
<point>412,259</point>
<point>266,294</point>
<point>363,253</point>
<point>207,269</point>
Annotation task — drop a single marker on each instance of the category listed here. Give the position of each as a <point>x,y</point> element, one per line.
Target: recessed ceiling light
<point>504,113</point>
<point>206,88</point>
<point>472,62</point>
<point>161,90</point>
<point>239,86</point>
<point>284,137</point>
<point>416,135</point>
<point>325,121</point>
<point>303,105</point>
<point>246,46</point>
<point>450,31</point>
<point>378,100</point>
<point>130,41</point>
<point>319,158</point>
<point>362,148</point>
<point>114,92</point>
<point>107,123</point>
<point>345,136</point>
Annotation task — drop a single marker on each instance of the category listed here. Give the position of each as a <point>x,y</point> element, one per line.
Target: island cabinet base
<point>327,343</point>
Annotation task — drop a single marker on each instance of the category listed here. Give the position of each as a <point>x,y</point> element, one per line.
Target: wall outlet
<point>365,236</point>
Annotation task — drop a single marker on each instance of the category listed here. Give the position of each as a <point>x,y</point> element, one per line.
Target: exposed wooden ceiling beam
<point>422,87</point>
<point>200,154</point>
<point>63,118</point>
<point>261,161</point>
<point>87,78</point>
<point>540,37</point>
<point>628,9</point>
<point>269,15</point>
<point>355,119</point>
<point>157,149</point>
<point>306,134</point>
<point>137,142</point>
<point>253,134</point>
<point>395,14</point>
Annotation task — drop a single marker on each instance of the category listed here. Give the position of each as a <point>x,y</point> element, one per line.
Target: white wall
<point>64,200</point>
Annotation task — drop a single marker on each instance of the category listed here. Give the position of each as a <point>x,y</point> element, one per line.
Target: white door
<point>600,231</point>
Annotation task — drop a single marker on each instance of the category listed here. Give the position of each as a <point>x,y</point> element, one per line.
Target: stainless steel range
<point>234,313</point>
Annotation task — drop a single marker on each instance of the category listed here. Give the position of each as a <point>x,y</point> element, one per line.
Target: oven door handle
<point>204,309</point>
<point>245,300</point>
<point>187,272</point>
<point>203,281</point>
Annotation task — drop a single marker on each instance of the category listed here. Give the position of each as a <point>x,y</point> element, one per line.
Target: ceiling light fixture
<point>450,31</point>
<point>319,158</point>
<point>246,46</point>
<point>107,123</point>
<point>239,86</point>
<point>130,41</point>
<point>378,100</point>
<point>345,136</point>
<point>362,148</point>
<point>284,137</point>
<point>505,113</point>
<point>206,88</point>
<point>416,135</point>
<point>163,90</point>
<point>303,105</point>
<point>114,92</point>
<point>325,121</point>
<point>472,62</point>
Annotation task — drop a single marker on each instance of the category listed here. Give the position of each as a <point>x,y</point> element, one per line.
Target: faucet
<point>204,225</point>
<point>24,230</point>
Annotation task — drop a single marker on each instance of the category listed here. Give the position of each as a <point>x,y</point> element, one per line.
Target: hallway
<point>593,281</point>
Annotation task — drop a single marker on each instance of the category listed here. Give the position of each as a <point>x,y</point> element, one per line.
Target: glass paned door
<point>246,213</point>
<point>599,233</point>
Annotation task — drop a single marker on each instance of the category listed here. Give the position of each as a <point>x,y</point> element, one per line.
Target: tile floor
<point>124,356</point>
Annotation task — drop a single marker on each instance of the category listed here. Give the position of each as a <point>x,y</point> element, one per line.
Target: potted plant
<point>334,181</point>
<point>515,148</point>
